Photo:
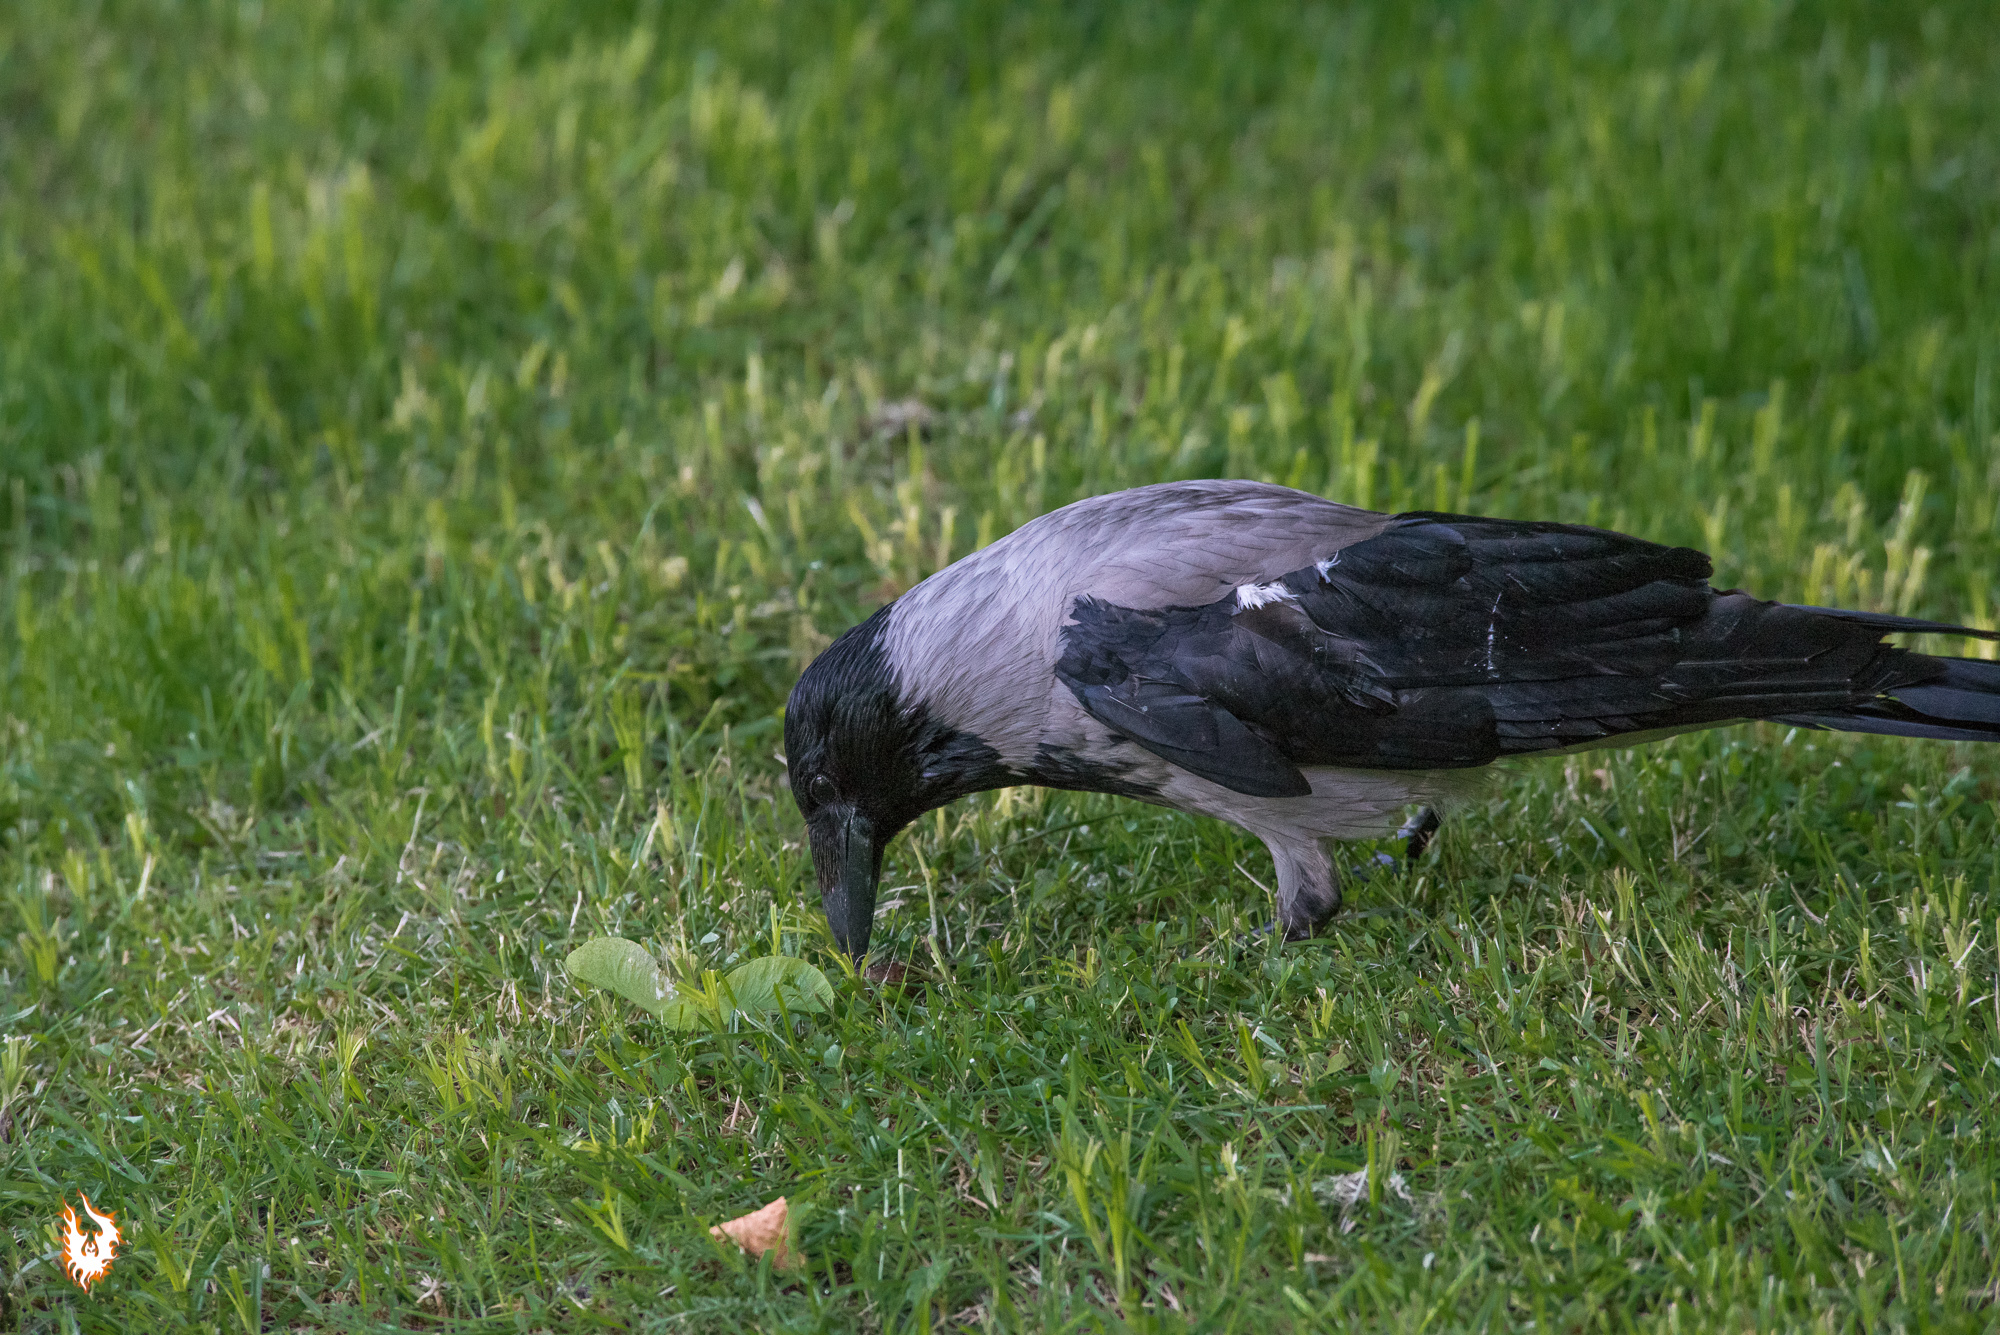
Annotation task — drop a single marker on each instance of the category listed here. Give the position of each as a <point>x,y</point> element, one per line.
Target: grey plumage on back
<point>1307,671</point>
<point>996,617</point>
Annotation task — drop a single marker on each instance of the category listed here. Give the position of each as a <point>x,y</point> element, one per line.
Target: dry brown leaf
<point>893,976</point>
<point>762,1231</point>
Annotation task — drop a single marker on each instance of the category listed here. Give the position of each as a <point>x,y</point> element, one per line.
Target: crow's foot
<point>1305,932</point>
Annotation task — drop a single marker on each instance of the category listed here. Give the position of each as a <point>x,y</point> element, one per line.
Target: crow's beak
<point>848,859</point>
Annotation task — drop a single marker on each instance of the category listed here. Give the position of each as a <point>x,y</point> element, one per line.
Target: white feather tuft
<point>1250,597</point>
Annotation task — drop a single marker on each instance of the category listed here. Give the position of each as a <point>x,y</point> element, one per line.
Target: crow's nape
<point>1960,704</point>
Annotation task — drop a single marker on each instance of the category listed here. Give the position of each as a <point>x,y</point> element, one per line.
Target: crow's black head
<point>864,762</point>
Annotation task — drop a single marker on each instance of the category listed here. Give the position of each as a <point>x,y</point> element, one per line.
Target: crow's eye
<point>821,789</point>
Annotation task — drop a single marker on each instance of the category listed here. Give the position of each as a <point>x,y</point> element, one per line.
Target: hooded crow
<point>1308,671</point>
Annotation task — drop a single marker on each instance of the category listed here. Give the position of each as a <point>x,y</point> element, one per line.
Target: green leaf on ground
<point>759,984</point>
<point>771,983</point>
<point>624,967</point>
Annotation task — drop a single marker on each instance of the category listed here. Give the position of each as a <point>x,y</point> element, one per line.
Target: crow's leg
<point>1419,830</point>
<point>1309,884</point>
<point>1308,887</point>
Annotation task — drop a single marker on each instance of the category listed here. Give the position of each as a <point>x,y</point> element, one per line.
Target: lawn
<point>433,437</point>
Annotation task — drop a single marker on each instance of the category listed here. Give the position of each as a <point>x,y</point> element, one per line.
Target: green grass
<point>433,436</point>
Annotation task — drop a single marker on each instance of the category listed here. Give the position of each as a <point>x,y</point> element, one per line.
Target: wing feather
<point>1446,641</point>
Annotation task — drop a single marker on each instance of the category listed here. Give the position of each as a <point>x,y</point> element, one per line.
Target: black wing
<point>1448,642</point>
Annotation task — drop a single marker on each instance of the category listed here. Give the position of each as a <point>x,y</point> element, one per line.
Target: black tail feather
<point>1961,703</point>
<point>1882,621</point>
<point>1967,693</point>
